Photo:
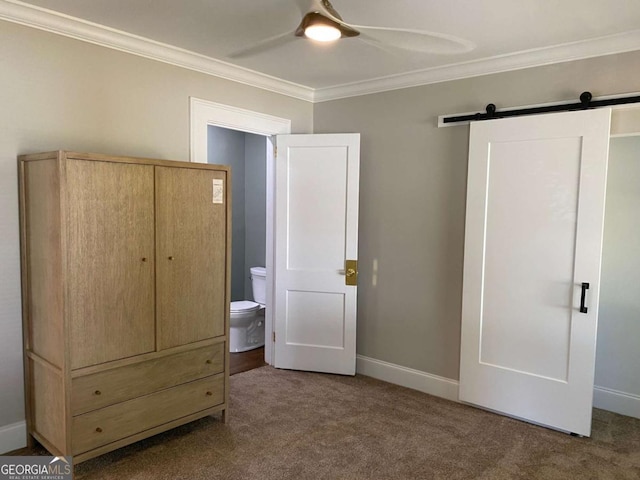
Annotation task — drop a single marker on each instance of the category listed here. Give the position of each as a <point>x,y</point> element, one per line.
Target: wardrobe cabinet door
<point>191,255</point>
<point>110,261</point>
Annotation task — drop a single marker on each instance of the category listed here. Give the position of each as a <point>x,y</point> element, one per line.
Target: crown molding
<point>620,43</point>
<point>48,20</point>
<point>55,22</point>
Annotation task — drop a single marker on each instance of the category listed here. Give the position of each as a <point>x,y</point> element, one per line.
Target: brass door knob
<point>144,259</point>
<point>97,392</point>
<point>170,258</point>
<point>209,394</point>
<point>99,430</point>
<point>351,272</point>
<point>209,361</point>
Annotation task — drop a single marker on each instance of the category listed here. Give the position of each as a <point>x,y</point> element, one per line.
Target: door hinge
<point>275,150</point>
<point>274,336</point>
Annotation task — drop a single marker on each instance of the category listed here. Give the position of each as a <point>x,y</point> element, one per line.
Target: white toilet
<point>247,318</point>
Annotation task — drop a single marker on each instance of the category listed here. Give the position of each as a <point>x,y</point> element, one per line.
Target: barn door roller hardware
<point>585,103</point>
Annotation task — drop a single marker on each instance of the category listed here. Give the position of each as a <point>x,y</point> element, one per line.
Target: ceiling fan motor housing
<point>317,18</point>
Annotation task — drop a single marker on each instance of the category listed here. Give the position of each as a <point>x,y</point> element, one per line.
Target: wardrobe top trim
<point>63,154</point>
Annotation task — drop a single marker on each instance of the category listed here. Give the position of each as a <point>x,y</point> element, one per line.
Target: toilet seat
<point>244,306</point>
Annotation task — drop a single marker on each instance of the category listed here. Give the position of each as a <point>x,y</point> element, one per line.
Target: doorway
<point>617,354</point>
<point>246,154</point>
<point>203,114</point>
<point>298,161</point>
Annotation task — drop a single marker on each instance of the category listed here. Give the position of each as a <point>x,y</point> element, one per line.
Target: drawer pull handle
<point>144,259</point>
<point>170,258</point>
<point>97,392</point>
<point>209,394</point>
<point>209,362</point>
<point>99,430</point>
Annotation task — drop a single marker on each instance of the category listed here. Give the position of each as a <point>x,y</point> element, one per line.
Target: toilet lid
<point>258,271</point>
<point>244,306</point>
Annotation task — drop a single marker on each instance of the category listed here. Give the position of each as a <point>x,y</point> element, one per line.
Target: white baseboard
<point>604,398</point>
<point>13,437</point>
<point>408,377</point>
<point>616,401</point>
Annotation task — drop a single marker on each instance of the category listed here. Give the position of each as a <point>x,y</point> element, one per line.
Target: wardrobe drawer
<point>101,389</point>
<point>122,420</point>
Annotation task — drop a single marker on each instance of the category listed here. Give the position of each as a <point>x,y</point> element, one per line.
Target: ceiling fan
<point>323,23</point>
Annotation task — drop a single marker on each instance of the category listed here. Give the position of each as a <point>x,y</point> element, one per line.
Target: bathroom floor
<point>241,362</point>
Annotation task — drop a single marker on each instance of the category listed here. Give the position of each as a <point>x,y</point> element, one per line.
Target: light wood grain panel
<point>43,260</point>
<point>116,385</point>
<point>48,405</point>
<point>191,256</point>
<point>227,313</point>
<point>109,424</point>
<point>87,221</point>
<point>81,372</point>
<point>146,434</point>
<point>144,161</point>
<point>34,157</point>
<point>24,285</point>
<point>66,377</point>
<point>110,257</point>
<point>49,446</point>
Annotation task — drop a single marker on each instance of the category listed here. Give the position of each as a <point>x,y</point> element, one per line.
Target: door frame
<point>203,113</point>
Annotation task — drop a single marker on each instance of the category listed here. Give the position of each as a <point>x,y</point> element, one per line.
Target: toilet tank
<point>259,284</point>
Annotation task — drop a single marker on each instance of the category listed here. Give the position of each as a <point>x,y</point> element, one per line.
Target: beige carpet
<point>298,425</point>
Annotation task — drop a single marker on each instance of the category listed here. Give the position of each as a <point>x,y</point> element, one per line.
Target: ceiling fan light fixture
<point>317,26</point>
<point>322,33</point>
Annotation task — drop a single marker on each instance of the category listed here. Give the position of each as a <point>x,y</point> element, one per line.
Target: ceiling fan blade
<point>263,45</point>
<point>417,40</point>
<point>404,38</point>
<point>379,45</point>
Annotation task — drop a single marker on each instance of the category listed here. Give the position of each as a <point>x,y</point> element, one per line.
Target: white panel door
<point>534,223</point>
<point>316,196</point>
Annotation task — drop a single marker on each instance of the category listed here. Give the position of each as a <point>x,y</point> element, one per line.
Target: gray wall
<point>618,355</point>
<point>255,206</point>
<point>412,199</point>
<point>59,93</point>
<point>226,147</point>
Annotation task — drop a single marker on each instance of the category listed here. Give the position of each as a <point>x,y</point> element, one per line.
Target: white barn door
<point>316,235</point>
<point>534,223</point>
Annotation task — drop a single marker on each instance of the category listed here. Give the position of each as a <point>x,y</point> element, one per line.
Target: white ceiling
<point>498,28</point>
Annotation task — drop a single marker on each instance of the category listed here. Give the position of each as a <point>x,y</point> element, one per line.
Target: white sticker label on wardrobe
<point>218,190</point>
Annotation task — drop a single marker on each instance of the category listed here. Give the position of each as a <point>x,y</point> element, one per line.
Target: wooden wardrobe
<point>125,281</point>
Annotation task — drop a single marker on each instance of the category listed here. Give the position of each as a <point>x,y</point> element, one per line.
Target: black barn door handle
<point>585,287</point>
